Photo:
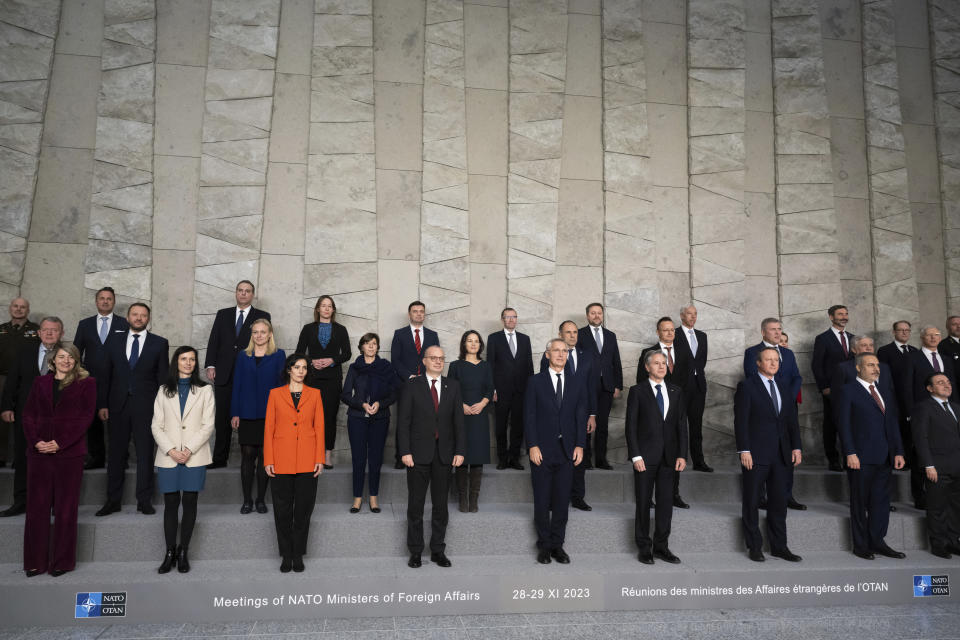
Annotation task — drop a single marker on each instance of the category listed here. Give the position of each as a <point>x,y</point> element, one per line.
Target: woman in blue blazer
<point>259,368</point>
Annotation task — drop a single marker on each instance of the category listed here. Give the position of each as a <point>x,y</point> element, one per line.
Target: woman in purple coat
<point>58,412</point>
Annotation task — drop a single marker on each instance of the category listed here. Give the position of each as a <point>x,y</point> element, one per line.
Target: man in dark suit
<point>695,342</point>
<point>555,426</point>
<point>830,348</point>
<point>768,441</point>
<point>230,335</point>
<point>14,333</point>
<point>580,364</point>
<point>937,440</point>
<point>31,360</point>
<point>788,375</point>
<point>866,415</point>
<point>679,373</point>
<point>950,346</point>
<point>609,381</point>
<point>847,372</point>
<point>511,360</point>
<point>92,333</point>
<point>657,445</point>
<point>896,355</point>
<point>406,350</point>
<point>431,440</point>
<point>134,367</point>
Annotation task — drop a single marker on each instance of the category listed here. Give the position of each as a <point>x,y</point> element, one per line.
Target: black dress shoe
<point>543,556</point>
<point>169,560</point>
<point>146,508</point>
<point>702,466</point>
<point>13,510</point>
<point>885,550</point>
<point>502,465</point>
<point>587,464</point>
<point>286,565</point>
<point>952,548</point>
<point>793,504</point>
<point>603,464</point>
<point>578,503</point>
<point>940,552</point>
<point>327,466</point>
<point>374,509</point>
<point>246,508</point>
<point>216,465</point>
<point>866,555</point>
<point>833,465</point>
<point>645,557</point>
<point>56,573</point>
<point>440,559</point>
<point>108,508</point>
<point>560,555</point>
<point>261,507</point>
<point>93,464</point>
<point>516,465</point>
<point>297,564</point>
<point>666,555</point>
<point>786,554</point>
<point>183,563</point>
<point>756,555</point>
<point>34,572</point>
<point>414,562</point>
<point>679,503</point>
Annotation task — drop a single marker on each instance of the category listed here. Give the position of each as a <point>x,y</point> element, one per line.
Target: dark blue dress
<point>476,383</point>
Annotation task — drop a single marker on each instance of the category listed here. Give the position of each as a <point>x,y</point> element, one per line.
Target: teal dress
<point>181,477</point>
<point>476,383</point>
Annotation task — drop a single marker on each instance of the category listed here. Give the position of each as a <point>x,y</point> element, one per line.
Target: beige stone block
<point>580,223</point>
<point>179,109</point>
<point>762,301</point>
<point>176,202</point>
<point>853,229</point>
<point>399,125</point>
<point>666,61</point>
<point>667,125</point>
<point>928,243</point>
<point>488,219</point>
<point>915,84</point>
<point>345,180</point>
<point>802,298</point>
<point>81,28</point>
<point>848,152</point>
<point>756,15</point>
<point>583,76</point>
<point>758,139</point>
<point>582,143</point>
<point>910,21</point>
<point>486,46</point>
<point>575,287</point>
<point>486,131</point>
<point>670,11</point>
<point>760,235</point>
<point>842,68</point>
<point>921,147</point>
<point>933,303</point>
<point>285,209</point>
<point>858,295</point>
<point>296,37</point>
<point>182,31</point>
<point>809,268</point>
<point>758,79</point>
<point>172,295</point>
<point>403,278</point>
<point>281,292</point>
<point>399,196</point>
<point>290,126</point>
<point>53,280</point>
<point>488,296</point>
<point>840,19</point>
<point>398,40</point>
<point>336,233</point>
<point>671,228</point>
<point>71,117</point>
<point>807,232</point>
<point>61,208</point>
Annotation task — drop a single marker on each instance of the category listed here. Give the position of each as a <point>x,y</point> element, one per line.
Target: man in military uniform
<point>13,335</point>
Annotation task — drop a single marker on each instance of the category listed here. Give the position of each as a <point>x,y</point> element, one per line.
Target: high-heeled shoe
<point>356,506</point>
<point>169,560</point>
<point>374,507</point>
<point>183,564</point>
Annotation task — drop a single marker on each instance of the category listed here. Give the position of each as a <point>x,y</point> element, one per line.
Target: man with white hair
<point>695,394</point>
<point>846,371</point>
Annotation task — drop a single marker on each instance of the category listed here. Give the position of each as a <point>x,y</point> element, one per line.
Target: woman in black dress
<point>327,345</point>
<point>476,387</point>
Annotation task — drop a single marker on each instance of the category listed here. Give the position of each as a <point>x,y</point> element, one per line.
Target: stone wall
<point>758,157</point>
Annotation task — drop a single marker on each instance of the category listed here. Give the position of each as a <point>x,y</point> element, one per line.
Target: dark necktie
<point>936,362</point>
<point>946,407</point>
<point>135,350</point>
<point>773,396</point>
<point>904,348</point>
<point>559,389</point>
<point>843,343</point>
<point>660,401</point>
<point>669,359</point>
<point>573,361</point>
<point>239,324</point>
<point>436,404</point>
<point>876,398</point>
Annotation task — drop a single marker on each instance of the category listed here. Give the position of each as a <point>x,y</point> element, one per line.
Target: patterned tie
<point>598,338</point>
<point>135,350</point>
<point>692,341</point>
<point>103,330</point>
<point>513,345</point>
<point>843,343</point>
<point>936,362</point>
<point>773,396</point>
<point>669,358</point>
<point>876,398</point>
<point>239,323</point>
<point>42,359</point>
<point>559,389</point>
<point>660,402</point>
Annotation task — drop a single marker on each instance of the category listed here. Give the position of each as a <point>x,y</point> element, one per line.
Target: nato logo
<point>924,586</point>
<point>101,604</point>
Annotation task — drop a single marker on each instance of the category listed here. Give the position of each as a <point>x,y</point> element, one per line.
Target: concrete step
<point>498,529</point>
<point>506,486</point>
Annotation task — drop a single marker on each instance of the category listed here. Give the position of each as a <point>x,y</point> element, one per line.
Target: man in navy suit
<point>580,363</point>
<point>788,375</point>
<point>409,343</point>
<point>768,441</point>
<point>949,347</point>
<point>866,415</point>
<point>657,445</point>
<point>555,425</point>
<point>90,338</point>
<point>134,367</point>
<point>896,355</point>
<point>694,341</point>
<point>229,335</point>
<point>830,348</point>
<point>847,370</point>
<point>608,374</point>
<point>511,360</point>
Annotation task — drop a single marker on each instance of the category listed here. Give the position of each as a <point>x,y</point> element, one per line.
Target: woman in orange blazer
<point>293,455</point>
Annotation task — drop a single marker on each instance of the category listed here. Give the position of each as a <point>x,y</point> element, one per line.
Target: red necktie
<point>417,344</point>
<point>436,404</point>
<point>843,343</point>
<point>669,359</point>
<point>876,398</point>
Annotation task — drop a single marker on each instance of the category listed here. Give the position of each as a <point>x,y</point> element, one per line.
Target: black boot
<point>476,474</point>
<point>183,564</point>
<point>462,477</point>
<point>169,560</point>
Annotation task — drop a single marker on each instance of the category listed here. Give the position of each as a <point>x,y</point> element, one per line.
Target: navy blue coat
<point>788,374</point>
<point>871,434</point>
<point>403,351</point>
<point>827,354</point>
<point>544,419</point>
<point>757,426</point>
<point>120,384</point>
<point>607,369</point>
<point>355,393</point>
<point>87,341</point>
<point>847,372</point>
<point>252,384</point>
<point>586,361</point>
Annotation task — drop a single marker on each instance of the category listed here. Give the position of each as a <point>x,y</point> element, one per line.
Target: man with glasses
<point>511,360</point>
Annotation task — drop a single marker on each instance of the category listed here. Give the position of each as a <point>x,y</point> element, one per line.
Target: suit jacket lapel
<point>191,401</point>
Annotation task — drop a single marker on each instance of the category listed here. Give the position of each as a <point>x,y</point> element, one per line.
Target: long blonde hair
<point>77,373</point>
<point>271,343</point>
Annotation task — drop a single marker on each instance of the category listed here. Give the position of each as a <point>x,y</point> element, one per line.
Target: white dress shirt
<point>553,379</point>
<point>143,338</point>
<point>246,313</point>
<point>666,403</point>
<point>836,334</point>
<point>430,382</point>
<point>929,356</point>
<point>413,334</point>
<point>866,385</point>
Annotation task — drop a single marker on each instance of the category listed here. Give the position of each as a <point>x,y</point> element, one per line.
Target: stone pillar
<point>26,55</point>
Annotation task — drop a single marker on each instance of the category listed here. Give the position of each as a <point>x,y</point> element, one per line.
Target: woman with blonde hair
<point>259,368</point>
<point>58,413</point>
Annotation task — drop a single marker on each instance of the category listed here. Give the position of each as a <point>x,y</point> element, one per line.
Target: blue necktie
<point>773,396</point>
<point>103,330</point>
<point>135,350</point>
<point>239,323</point>
<point>559,389</point>
<point>660,401</point>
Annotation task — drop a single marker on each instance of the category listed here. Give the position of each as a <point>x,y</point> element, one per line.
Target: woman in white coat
<point>183,421</point>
